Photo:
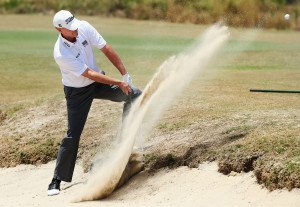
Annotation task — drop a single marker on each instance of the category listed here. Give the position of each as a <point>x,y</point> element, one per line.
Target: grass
<point>26,67</point>
<point>217,107</point>
<point>268,14</point>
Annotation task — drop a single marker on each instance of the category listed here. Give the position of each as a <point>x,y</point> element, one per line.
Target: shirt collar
<point>67,42</point>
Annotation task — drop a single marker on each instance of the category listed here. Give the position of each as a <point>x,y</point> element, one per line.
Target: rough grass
<point>216,118</point>
<point>273,156</point>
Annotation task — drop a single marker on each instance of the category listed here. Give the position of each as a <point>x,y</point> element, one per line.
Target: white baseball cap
<point>64,19</point>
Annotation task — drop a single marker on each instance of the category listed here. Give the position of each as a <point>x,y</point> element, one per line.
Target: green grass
<point>27,67</point>
<point>251,59</point>
<point>28,70</point>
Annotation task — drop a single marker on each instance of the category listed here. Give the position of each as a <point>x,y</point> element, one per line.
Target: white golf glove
<point>127,79</point>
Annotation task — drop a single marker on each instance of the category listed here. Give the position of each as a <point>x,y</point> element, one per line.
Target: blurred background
<point>239,13</point>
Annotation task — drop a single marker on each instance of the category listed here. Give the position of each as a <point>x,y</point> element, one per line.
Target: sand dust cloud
<point>169,81</point>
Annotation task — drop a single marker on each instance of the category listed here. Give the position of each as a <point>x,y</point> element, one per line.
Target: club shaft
<point>273,91</point>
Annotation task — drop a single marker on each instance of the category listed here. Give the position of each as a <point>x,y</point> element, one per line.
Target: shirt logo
<point>85,43</point>
<point>77,55</point>
<point>70,19</point>
<point>67,44</point>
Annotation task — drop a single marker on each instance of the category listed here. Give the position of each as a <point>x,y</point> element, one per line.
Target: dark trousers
<point>79,101</point>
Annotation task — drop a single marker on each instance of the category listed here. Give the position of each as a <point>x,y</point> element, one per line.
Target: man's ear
<point>58,29</point>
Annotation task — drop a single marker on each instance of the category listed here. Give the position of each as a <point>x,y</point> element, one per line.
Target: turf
<point>28,70</point>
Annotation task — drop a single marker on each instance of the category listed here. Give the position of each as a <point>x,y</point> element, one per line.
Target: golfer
<point>83,81</point>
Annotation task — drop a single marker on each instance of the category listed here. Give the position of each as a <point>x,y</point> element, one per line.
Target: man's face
<point>68,33</point>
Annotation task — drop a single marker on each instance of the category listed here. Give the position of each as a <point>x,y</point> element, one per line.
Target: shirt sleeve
<point>72,65</point>
<point>95,38</point>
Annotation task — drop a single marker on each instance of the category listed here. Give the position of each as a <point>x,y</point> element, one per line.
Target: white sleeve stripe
<point>100,46</point>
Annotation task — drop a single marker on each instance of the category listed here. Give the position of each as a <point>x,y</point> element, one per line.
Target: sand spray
<point>168,82</point>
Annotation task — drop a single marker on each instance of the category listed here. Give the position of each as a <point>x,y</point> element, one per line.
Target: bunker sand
<point>25,185</point>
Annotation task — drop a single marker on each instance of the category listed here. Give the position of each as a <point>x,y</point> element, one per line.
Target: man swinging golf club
<point>83,81</point>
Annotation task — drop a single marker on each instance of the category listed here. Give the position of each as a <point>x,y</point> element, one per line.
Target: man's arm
<point>111,54</point>
<point>98,77</point>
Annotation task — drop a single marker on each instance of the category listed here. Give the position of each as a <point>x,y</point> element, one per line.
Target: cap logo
<point>70,19</point>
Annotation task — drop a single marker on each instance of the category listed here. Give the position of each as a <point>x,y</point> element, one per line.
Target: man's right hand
<point>99,77</point>
<point>125,87</point>
<point>96,76</point>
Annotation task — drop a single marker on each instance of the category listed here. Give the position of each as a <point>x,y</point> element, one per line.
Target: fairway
<point>216,111</point>
<point>30,72</point>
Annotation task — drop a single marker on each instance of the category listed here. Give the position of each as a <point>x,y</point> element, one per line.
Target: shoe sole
<point>53,192</point>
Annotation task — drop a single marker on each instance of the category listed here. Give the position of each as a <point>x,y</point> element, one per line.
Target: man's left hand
<point>125,87</point>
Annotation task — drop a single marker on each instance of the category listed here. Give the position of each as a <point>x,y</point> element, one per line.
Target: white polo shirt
<point>74,58</point>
